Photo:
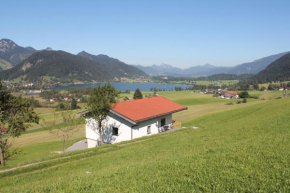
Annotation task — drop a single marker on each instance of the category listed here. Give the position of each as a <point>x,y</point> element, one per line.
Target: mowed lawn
<point>240,150</point>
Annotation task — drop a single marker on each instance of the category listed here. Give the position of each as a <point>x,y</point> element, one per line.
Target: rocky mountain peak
<point>7,45</point>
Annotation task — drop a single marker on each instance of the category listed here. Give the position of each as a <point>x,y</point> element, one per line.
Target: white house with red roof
<point>230,95</point>
<point>133,119</point>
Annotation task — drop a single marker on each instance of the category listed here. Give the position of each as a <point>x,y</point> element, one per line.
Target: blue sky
<point>180,33</point>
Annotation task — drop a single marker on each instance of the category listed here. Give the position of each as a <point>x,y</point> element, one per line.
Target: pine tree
<point>138,94</point>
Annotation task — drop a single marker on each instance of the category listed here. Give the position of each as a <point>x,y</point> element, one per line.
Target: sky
<point>179,33</point>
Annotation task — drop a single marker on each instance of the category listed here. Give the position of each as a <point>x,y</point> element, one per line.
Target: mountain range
<point>60,66</point>
<point>12,54</point>
<point>31,64</point>
<point>253,67</point>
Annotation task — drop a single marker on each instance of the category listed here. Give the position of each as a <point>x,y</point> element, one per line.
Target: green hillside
<point>116,64</point>
<point>278,70</point>
<point>242,150</point>
<point>4,65</point>
<point>65,67</point>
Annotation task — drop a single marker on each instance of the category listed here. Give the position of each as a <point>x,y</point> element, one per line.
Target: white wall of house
<point>126,130</point>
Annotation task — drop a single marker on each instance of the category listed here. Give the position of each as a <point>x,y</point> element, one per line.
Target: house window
<point>162,122</point>
<point>148,129</point>
<point>115,131</point>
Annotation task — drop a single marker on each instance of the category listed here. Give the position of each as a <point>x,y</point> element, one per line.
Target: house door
<point>162,122</point>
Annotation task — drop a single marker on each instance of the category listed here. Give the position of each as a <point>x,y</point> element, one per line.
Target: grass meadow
<point>38,144</point>
<point>48,115</point>
<point>239,150</point>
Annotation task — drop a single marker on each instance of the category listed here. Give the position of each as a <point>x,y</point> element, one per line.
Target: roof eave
<point>123,117</point>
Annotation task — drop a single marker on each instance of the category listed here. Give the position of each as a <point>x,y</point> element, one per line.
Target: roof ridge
<point>142,99</point>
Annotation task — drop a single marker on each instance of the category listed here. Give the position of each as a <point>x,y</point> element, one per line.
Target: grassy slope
<point>36,146</point>
<point>199,104</point>
<point>267,94</point>
<point>245,149</point>
<point>5,65</point>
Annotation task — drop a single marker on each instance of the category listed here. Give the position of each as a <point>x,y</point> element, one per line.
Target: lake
<point>121,86</point>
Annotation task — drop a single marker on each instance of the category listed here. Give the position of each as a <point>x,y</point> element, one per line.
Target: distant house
<point>133,119</point>
<point>229,95</point>
<point>27,84</point>
<point>53,100</point>
<point>67,99</point>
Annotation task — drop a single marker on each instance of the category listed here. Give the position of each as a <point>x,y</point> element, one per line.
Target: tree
<point>270,87</point>
<point>138,94</point>
<point>256,86</point>
<point>74,104</point>
<point>244,94</point>
<point>16,115</point>
<point>61,106</point>
<point>64,132</point>
<point>102,99</point>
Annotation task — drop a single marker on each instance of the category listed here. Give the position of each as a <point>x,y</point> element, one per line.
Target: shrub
<point>254,97</point>
<point>245,100</point>
<point>262,88</point>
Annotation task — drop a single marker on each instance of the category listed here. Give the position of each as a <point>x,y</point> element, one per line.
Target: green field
<point>267,94</point>
<point>35,141</point>
<point>38,145</point>
<point>244,150</point>
<point>235,148</point>
<point>49,115</point>
<point>200,104</point>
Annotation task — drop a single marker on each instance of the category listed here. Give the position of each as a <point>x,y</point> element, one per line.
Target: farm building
<point>132,119</point>
<point>229,95</point>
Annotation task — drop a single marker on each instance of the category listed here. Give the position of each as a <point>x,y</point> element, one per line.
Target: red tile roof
<point>231,92</point>
<point>144,109</point>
